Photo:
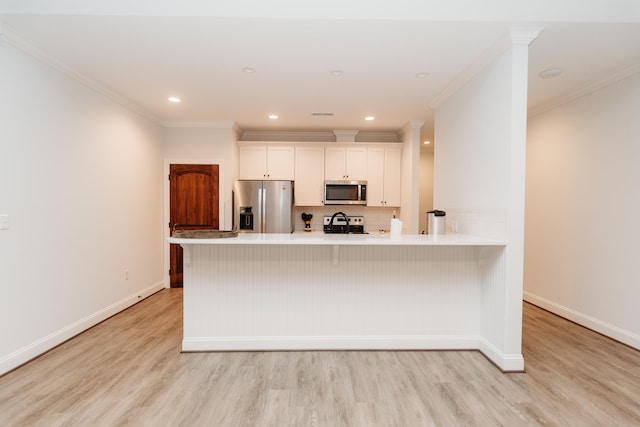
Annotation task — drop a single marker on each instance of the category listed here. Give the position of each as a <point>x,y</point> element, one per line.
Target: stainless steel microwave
<point>345,192</point>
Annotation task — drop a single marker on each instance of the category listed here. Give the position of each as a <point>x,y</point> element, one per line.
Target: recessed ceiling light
<point>422,75</point>
<point>249,70</point>
<point>273,116</point>
<point>427,142</point>
<point>550,73</point>
<point>174,99</point>
<point>337,73</point>
<point>369,118</point>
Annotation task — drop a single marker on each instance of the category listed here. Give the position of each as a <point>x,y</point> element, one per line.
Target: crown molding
<point>288,136</point>
<point>524,35</point>
<point>216,124</point>
<point>317,136</point>
<point>474,68</point>
<point>28,48</point>
<point>416,124</point>
<point>377,136</point>
<point>346,135</point>
<point>587,89</point>
<point>516,36</point>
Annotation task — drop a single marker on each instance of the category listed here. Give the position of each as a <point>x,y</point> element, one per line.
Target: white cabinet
<point>345,163</point>
<point>265,162</point>
<point>309,170</point>
<point>383,183</point>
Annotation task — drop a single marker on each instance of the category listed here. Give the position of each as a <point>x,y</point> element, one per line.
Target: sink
<point>204,234</point>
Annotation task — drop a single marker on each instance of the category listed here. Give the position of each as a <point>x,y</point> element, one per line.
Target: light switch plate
<point>4,222</point>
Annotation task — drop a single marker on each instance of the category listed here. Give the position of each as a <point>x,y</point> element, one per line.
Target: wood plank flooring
<point>129,371</point>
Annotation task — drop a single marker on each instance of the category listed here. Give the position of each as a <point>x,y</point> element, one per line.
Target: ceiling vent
<point>322,114</point>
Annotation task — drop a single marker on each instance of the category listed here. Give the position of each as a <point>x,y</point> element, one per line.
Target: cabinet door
<point>392,173</point>
<point>375,180</point>
<point>383,187</point>
<point>356,163</point>
<point>334,163</point>
<point>309,165</point>
<point>252,162</point>
<point>280,163</point>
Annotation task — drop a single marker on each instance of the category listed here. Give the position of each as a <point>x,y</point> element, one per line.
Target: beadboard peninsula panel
<point>371,297</point>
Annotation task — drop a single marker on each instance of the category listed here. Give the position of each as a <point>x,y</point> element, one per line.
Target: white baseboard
<point>35,349</point>
<point>507,363</point>
<point>274,343</point>
<point>585,320</point>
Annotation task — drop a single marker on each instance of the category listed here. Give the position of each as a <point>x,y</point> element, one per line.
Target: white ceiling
<point>147,51</point>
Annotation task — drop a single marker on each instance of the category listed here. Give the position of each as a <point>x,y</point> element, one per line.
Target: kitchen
<point>325,177</point>
<point>485,316</point>
<point>129,199</point>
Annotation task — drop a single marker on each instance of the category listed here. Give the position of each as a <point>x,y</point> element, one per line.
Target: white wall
<point>214,144</point>
<point>479,163</point>
<point>426,188</point>
<point>79,179</point>
<point>583,211</point>
<point>472,156</point>
<point>410,170</point>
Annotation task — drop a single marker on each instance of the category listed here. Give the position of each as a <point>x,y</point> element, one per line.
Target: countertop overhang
<point>319,238</point>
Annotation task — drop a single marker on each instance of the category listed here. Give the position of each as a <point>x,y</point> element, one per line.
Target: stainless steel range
<point>343,224</point>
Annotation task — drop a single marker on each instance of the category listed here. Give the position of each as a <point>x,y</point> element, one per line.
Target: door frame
<point>224,220</point>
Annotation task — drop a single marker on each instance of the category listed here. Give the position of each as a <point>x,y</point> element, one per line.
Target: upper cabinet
<point>311,164</point>
<point>309,168</point>
<point>345,163</point>
<point>383,186</point>
<point>266,162</point>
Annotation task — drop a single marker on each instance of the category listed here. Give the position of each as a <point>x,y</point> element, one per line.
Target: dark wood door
<point>193,205</point>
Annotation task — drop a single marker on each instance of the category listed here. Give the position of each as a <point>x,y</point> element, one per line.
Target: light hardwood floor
<point>129,371</point>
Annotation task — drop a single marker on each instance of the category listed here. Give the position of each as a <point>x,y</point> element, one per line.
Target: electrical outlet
<point>126,275</point>
<point>4,222</point>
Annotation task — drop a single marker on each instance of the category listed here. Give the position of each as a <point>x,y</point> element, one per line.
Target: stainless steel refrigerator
<point>263,206</point>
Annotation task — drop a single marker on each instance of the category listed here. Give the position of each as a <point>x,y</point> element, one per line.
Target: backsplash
<point>478,222</point>
<point>375,218</point>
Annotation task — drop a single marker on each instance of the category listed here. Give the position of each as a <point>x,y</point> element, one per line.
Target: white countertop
<point>319,238</point>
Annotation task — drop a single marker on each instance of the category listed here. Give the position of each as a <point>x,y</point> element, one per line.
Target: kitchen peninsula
<point>310,291</point>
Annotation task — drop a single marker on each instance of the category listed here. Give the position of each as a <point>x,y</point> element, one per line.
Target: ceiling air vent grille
<point>322,114</point>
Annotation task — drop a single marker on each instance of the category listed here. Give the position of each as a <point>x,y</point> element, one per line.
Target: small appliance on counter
<point>307,219</point>
<point>343,224</point>
<point>436,222</point>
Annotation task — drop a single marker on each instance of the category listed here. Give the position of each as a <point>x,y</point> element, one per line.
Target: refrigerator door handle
<point>262,203</point>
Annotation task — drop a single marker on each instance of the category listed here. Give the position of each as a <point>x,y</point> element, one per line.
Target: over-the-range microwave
<point>345,192</point>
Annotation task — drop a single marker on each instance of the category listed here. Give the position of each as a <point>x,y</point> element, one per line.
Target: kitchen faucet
<point>346,218</point>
